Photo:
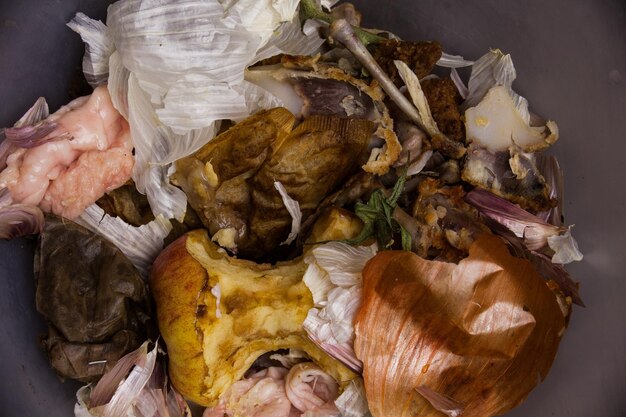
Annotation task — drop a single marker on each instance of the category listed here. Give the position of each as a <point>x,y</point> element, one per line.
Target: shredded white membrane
<point>261,17</point>
<point>293,207</point>
<point>140,244</point>
<point>334,278</point>
<point>493,69</point>
<point>291,39</point>
<point>458,83</point>
<point>98,47</point>
<point>327,4</point>
<point>565,248</point>
<point>135,387</point>
<point>353,402</point>
<point>453,61</point>
<point>155,142</point>
<point>118,84</point>
<point>130,390</point>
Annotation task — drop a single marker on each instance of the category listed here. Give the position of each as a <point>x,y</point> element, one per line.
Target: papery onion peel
<point>480,334</point>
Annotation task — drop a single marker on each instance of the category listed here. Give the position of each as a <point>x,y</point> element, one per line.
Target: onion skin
<point>31,136</point>
<point>478,333</point>
<point>20,220</point>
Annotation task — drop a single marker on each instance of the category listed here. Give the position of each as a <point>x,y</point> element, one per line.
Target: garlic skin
<point>352,402</point>
<point>293,207</point>
<point>565,248</point>
<point>136,386</point>
<point>334,278</point>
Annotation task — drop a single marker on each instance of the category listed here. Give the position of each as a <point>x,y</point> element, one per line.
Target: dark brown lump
<point>421,57</point>
<point>443,99</point>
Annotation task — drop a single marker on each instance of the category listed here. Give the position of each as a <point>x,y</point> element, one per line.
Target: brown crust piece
<point>421,57</point>
<point>443,99</point>
<point>450,225</point>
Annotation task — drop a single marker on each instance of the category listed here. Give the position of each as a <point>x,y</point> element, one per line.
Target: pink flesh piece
<point>67,175</point>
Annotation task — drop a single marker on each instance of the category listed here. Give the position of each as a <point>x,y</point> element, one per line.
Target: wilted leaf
<point>93,297</point>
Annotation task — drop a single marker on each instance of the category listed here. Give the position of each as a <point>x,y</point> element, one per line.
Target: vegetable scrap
<point>93,298</point>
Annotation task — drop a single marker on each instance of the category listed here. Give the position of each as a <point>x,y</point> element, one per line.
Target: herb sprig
<point>378,221</point>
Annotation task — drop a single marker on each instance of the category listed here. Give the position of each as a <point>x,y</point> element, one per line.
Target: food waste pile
<point>264,208</point>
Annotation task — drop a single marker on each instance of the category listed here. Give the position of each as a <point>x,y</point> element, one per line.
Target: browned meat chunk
<point>443,99</point>
<point>509,174</point>
<point>421,57</point>
<point>449,224</point>
<point>332,97</point>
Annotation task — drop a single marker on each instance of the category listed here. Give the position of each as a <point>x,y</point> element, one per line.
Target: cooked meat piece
<point>421,57</point>
<point>509,174</point>
<point>452,225</point>
<point>443,99</point>
<point>332,97</point>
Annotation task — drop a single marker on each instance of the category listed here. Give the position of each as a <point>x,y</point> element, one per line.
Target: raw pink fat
<point>66,176</point>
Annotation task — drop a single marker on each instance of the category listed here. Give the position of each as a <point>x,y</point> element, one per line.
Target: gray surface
<point>571,61</point>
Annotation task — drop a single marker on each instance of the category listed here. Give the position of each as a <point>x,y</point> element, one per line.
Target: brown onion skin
<point>480,333</point>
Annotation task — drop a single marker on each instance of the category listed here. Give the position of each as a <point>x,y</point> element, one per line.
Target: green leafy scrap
<point>378,221</point>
